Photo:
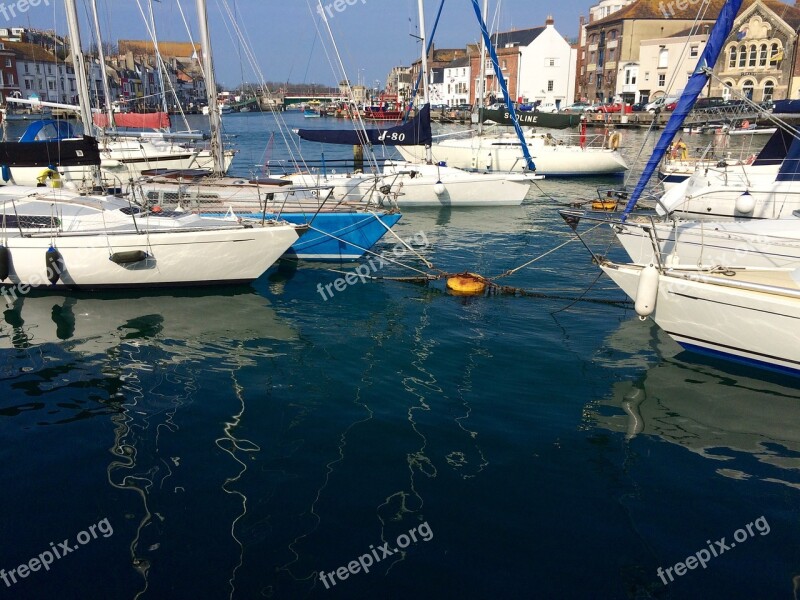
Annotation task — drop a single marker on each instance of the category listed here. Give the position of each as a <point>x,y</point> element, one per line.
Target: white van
<point>659,103</point>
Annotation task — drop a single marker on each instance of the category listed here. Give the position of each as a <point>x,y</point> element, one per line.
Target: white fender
<point>439,189</point>
<point>647,291</point>
<point>745,204</point>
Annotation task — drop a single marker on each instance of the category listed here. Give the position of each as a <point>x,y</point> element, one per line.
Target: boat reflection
<point>94,323</point>
<point>721,412</point>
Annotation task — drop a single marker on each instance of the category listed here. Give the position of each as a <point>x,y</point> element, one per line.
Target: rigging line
<point>541,256</point>
<point>292,145</point>
<point>581,297</point>
<point>162,65</point>
<point>357,115</point>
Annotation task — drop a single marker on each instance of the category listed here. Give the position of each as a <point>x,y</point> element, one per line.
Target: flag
<point>742,33</point>
<point>777,56</point>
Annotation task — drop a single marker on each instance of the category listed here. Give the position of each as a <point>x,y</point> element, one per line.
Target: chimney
<point>549,22</point>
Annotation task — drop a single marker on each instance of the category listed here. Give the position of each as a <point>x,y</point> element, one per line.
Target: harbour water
<point>235,444</point>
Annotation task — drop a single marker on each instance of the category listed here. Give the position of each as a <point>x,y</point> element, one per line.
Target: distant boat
<point>311,113</point>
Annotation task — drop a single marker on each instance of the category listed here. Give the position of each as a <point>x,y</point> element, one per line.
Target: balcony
<point>612,65</point>
<point>592,47</point>
<point>629,88</point>
<point>612,44</point>
<point>591,67</point>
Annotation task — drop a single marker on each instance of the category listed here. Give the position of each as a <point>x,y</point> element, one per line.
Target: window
<point>550,85</point>
<point>662,79</point>
<point>8,62</point>
<point>27,84</point>
<point>747,89</point>
<point>51,85</point>
<point>769,90</point>
<point>753,56</point>
<point>762,57</point>
<point>10,79</point>
<point>694,51</point>
<point>26,67</point>
<point>732,58</point>
<point>38,68</point>
<point>726,91</point>
<point>663,58</point>
<point>647,75</point>
<point>775,55</point>
<point>599,80</point>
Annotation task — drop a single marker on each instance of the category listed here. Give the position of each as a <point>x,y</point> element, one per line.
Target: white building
<point>41,75</point>
<point>456,82</point>
<point>546,66</point>
<point>665,65</point>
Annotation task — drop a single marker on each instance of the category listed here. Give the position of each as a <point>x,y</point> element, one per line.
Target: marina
<point>271,353</point>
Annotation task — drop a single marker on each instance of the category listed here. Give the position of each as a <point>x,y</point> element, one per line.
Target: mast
<point>80,67</point>
<point>159,61</point>
<point>103,72</point>
<point>482,79</point>
<point>211,91</point>
<point>425,75</point>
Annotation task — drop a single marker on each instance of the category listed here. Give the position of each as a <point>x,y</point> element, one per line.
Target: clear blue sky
<point>372,35</point>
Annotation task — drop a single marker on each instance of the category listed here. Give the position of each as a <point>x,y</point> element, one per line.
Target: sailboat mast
<point>159,60</point>
<point>80,67</point>
<point>425,75</point>
<point>211,90</point>
<point>482,80</point>
<point>423,39</point>
<point>101,55</point>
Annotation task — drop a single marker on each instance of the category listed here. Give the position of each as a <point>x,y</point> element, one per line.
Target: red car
<point>605,108</point>
<point>671,105</point>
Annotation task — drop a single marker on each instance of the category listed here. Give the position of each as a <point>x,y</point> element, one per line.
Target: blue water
<point>239,442</point>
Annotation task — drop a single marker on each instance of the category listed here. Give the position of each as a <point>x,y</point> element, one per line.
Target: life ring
<point>52,175</point>
<point>614,140</point>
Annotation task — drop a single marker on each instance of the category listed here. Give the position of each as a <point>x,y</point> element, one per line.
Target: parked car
<point>606,108</point>
<point>710,102</point>
<point>547,107</point>
<point>671,106</point>
<point>639,107</point>
<point>660,103</point>
<point>578,107</point>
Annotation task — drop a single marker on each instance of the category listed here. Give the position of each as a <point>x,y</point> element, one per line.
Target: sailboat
<point>124,154</point>
<point>56,239</point>
<point>340,231</point>
<point>418,183</point>
<point>742,313</point>
<point>517,152</point>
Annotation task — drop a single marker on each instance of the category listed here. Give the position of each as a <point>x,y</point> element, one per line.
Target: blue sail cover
<point>417,132</point>
<point>502,81</point>
<point>693,88</point>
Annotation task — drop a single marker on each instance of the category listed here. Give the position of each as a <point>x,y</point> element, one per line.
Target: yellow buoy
<point>466,284</point>
<point>604,204</point>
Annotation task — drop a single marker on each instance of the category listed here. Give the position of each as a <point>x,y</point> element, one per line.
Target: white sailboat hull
<point>503,154</point>
<point>755,243</point>
<point>406,184</point>
<point>703,313</point>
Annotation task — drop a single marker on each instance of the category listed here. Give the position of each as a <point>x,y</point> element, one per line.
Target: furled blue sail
<point>417,132</point>
<point>502,81</point>
<point>692,90</point>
